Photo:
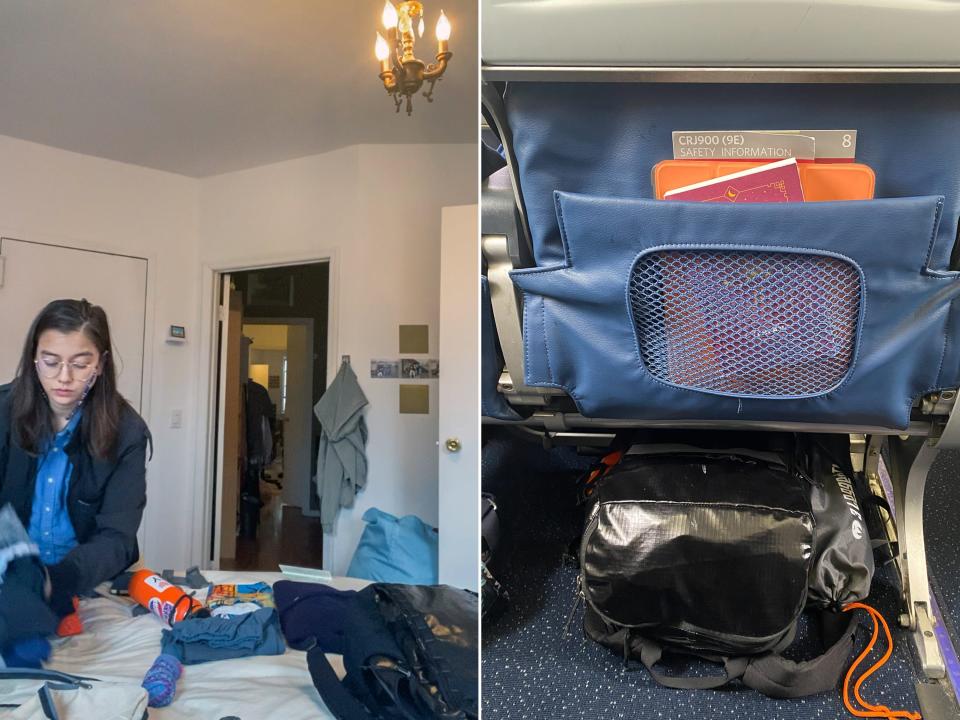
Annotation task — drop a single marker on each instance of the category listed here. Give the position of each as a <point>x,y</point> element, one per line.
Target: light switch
<point>176,419</point>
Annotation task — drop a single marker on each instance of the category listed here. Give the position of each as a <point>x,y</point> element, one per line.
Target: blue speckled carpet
<point>533,670</point>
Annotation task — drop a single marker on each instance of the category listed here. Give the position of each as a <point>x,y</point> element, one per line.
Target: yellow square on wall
<point>415,339</point>
<point>415,399</point>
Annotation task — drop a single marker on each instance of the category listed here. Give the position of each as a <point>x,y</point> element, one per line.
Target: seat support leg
<point>910,461</point>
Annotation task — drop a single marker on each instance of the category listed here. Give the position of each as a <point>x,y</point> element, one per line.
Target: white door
<point>33,274</point>
<point>229,425</point>
<point>459,398</point>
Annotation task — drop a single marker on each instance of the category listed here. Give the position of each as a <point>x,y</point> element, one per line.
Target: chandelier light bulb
<point>402,73</point>
<point>389,15</point>
<point>443,28</point>
<point>382,50</point>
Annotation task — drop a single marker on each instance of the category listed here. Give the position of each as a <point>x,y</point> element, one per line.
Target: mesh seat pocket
<point>746,322</point>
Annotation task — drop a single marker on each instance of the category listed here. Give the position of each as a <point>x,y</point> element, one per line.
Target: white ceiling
<point>201,87</point>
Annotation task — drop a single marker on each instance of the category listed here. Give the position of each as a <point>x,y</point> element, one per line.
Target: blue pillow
<point>397,550</point>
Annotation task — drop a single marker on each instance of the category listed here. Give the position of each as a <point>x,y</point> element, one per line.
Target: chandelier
<point>401,72</point>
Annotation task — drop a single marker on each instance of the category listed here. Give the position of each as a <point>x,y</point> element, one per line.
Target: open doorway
<point>272,370</point>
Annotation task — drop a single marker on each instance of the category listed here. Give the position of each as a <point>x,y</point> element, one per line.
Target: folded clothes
<point>228,599</point>
<point>235,609</point>
<point>15,542</point>
<point>198,640</point>
<point>23,611</point>
<point>312,612</point>
<point>24,614</point>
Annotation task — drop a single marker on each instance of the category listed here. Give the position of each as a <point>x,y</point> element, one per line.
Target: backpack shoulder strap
<point>336,697</point>
<point>62,679</point>
<point>778,677</point>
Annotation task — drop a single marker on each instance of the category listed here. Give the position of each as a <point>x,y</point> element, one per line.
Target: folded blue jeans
<point>198,640</point>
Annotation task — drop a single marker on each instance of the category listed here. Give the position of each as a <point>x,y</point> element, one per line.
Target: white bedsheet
<point>116,646</point>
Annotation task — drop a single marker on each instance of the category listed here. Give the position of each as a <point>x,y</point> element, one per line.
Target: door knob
<point>453,445</point>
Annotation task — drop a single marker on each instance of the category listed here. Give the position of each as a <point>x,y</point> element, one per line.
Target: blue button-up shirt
<point>50,526</point>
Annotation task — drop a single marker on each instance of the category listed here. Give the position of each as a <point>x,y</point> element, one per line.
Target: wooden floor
<point>284,536</point>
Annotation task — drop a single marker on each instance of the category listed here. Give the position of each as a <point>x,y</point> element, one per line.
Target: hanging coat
<point>341,458</point>
<point>261,416</point>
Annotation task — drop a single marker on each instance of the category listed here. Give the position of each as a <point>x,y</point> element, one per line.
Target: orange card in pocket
<point>820,181</point>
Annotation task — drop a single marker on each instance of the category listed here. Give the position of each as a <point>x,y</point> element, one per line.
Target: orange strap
<point>606,464</point>
<point>872,711</point>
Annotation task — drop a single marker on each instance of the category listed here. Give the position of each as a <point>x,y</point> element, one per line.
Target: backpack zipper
<point>579,595</point>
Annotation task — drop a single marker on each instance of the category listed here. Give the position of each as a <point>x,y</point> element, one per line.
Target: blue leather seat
<point>584,157</point>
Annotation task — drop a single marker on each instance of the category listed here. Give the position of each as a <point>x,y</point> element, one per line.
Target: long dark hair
<point>31,416</point>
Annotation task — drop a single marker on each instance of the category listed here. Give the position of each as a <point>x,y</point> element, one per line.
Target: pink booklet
<point>774,182</point>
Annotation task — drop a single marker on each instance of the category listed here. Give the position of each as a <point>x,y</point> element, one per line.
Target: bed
<point>119,647</point>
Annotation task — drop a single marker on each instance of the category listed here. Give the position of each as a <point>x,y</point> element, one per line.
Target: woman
<point>73,451</point>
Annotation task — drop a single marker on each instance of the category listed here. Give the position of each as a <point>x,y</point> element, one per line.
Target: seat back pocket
<point>809,312</point>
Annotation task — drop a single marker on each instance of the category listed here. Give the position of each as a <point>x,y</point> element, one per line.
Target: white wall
<point>386,272</point>
<point>348,202</point>
<point>49,195</point>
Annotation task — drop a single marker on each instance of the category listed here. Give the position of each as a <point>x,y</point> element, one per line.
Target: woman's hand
<point>62,583</point>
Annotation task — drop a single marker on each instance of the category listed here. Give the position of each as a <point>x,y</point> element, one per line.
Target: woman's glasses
<point>79,369</point>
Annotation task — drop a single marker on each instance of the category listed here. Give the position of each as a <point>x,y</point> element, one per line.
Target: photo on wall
<point>413,369</point>
<point>384,368</point>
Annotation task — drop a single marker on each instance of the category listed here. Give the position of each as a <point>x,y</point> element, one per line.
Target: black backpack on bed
<point>410,653</point>
<point>716,553</point>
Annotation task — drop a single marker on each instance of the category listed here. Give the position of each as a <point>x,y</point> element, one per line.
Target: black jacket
<point>257,409</point>
<point>105,502</point>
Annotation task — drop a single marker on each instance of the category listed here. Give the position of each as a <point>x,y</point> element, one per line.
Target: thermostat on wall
<point>177,334</point>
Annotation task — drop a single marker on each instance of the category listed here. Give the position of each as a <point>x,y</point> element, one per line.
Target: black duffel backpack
<point>409,651</point>
<point>717,553</point>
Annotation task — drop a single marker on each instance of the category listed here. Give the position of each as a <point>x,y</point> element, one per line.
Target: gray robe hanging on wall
<point>341,458</point>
